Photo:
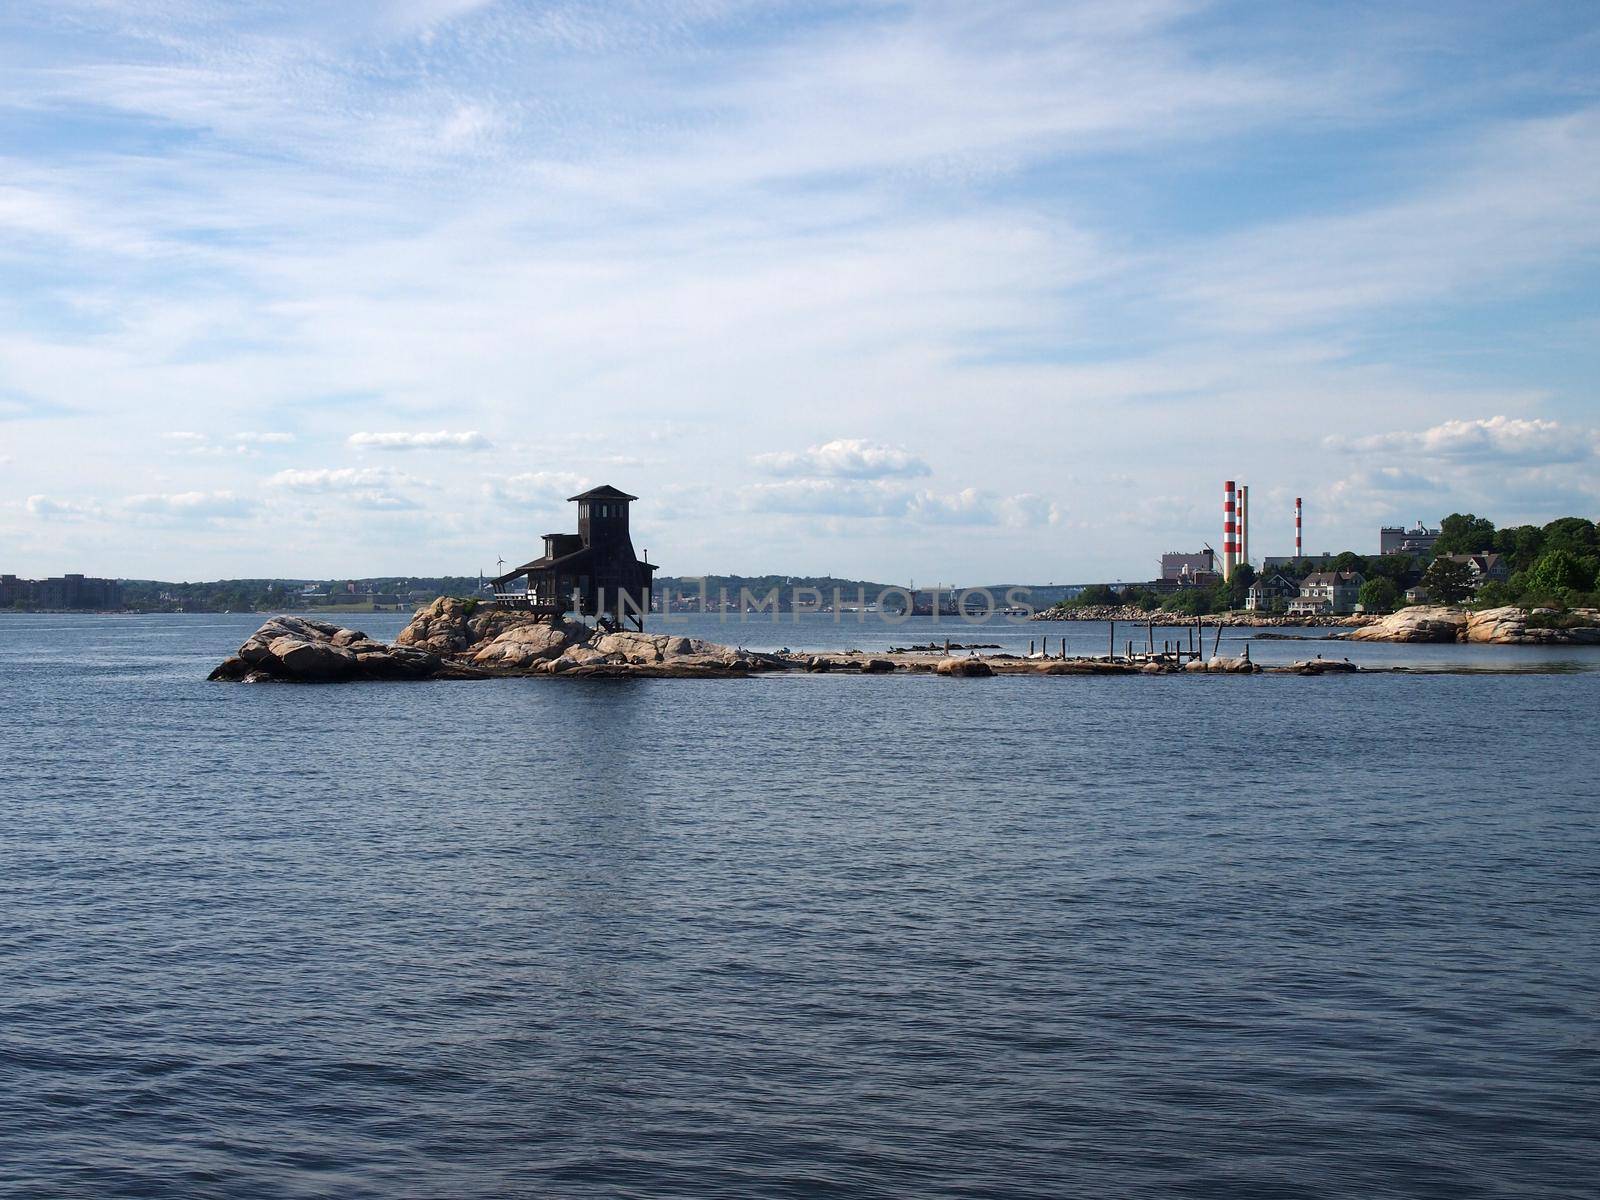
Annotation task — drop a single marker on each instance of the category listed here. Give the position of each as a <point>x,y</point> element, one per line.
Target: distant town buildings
<point>353,594</point>
<point>60,592</point>
<point>1418,542</point>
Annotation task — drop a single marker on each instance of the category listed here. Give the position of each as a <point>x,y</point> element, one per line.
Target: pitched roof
<point>604,492</point>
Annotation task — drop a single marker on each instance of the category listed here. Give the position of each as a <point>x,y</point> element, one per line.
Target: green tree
<point>1448,581</point>
<point>1397,568</point>
<point>1464,533</point>
<point>1559,571</point>
<point>1379,595</point>
<point>1521,545</point>
<point>1192,601</point>
<point>1095,594</point>
<point>1349,561</point>
<point>1495,594</point>
<point>1238,584</point>
<point>1577,535</point>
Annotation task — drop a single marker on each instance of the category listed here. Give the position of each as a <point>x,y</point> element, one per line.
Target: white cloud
<point>195,506</point>
<point>830,497</point>
<point>341,479</point>
<point>884,499</point>
<point>46,509</point>
<point>844,458</point>
<point>263,439</point>
<point>542,490</point>
<point>1490,439</point>
<point>441,439</point>
<point>183,435</point>
<point>360,487</point>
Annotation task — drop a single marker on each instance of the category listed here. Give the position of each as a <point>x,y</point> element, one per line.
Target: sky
<point>942,292</point>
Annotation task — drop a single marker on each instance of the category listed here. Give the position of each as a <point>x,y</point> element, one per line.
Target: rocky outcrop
<point>1508,626</point>
<point>1422,623</point>
<point>448,640</point>
<point>448,625</point>
<point>308,651</point>
<point>1519,627</point>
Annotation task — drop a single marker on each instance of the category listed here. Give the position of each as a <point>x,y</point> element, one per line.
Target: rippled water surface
<point>799,936</point>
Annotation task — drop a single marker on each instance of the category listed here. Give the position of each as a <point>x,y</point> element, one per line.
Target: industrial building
<point>1180,567</point>
<point>1418,542</point>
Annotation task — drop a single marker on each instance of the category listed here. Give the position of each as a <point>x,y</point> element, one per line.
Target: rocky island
<point>454,639</point>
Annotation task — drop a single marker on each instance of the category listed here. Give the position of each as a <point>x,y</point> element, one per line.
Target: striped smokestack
<point>1230,531</point>
<point>1244,522</point>
<point>1297,550</point>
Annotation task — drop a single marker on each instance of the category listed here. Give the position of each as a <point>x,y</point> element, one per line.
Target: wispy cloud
<point>844,458</point>
<point>441,439</point>
<point>542,490</point>
<point>884,499</point>
<point>1487,439</point>
<point>192,506</point>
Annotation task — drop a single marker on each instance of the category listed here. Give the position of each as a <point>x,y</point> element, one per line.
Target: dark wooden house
<point>593,573</point>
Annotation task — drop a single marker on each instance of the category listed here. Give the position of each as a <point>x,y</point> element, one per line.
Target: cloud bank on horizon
<point>974,293</point>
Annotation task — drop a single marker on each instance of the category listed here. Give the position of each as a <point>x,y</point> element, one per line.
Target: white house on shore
<point>1327,593</point>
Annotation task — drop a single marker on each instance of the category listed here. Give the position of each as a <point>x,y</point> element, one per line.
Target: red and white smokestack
<point>1297,552</point>
<point>1230,531</point>
<point>1244,522</point>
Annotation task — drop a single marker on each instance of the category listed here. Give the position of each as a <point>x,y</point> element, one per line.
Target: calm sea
<point>806,936</point>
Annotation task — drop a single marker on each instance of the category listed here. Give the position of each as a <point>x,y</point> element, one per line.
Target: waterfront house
<point>1483,568</point>
<point>1327,593</point>
<point>1271,593</point>
<point>592,573</point>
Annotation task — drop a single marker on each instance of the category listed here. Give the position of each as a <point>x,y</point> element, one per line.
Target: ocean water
<point>808,936</point>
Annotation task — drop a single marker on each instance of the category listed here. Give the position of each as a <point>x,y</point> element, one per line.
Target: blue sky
<point>937,291</point>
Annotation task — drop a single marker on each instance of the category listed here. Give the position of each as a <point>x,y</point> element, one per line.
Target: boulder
<point>1498,626</point>
<point>1421,623</point>
<point>299,658</point>
<point>232,669</point>
<point>972,668</point>
<point>522,646</point>
<point>877,666</point>
<point>448,625</point>
<point>1238,666</point>
<point>396,662</point>
<point>633,647</point>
